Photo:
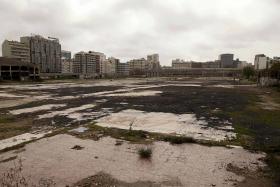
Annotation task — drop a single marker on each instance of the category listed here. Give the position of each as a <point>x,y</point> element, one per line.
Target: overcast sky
<point>196,30</point>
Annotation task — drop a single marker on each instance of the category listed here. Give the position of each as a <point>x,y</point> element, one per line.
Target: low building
<point>17,50</point>
<point>153,65</point>
<point>15,69</point>
<point>211,64</point>
<point>180,64</point>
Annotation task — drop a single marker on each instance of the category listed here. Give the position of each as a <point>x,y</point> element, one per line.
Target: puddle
<point>185,124</point>
<point>36,109</point>
<point>10,142</point>
<point>54,158</point>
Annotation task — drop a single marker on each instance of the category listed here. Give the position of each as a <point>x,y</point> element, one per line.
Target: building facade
<point>66,54</point>
<point>123,69</point>
<point>262,62</point>
<point>180,64</point>
<point>15,69</point>
<point>66,66</point>
<point>227,60</point>
<point>46,53</point>
<point>109,67</point>
<point>84,64</point>
<point>16,50</point>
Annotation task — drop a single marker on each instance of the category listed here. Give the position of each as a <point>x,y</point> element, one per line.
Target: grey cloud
<point>192,29</point>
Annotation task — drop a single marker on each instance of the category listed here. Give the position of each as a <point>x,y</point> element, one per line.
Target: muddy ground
<point>218,108</point>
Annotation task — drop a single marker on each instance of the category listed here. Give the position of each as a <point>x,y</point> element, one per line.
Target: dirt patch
<point>183,164</point>
<point>252,178</point>
<point>268,103</point>
<point>105,180</point>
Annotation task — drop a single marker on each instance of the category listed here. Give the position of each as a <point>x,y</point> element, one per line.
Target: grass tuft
<point>145,153</point>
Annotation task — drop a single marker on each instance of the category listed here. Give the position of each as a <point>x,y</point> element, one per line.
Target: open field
<point>78,132</point>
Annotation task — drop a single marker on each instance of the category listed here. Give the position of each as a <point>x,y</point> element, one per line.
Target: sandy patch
<point>10,142</point>
<point>188,164</point>
<point>185,124</point>
<point>36,109</point>
<point>70,112</point>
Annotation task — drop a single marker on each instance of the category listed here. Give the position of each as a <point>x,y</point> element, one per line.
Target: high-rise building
<point>123,69</point>
<point>180,64</point>
<point>17,50</point>
<point>66,54</point>
<point>109,67</point>
<point>98,59</point>
<point>227,60</point>
<point>138,66</point>
<point>153,63</point>
<point>66,62</point>
<point>262,62</point>
<point>46,53</point>
<point>84,64</point>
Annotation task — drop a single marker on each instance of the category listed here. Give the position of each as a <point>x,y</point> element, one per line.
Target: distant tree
<point>248,72</point>
<point>274,71</point>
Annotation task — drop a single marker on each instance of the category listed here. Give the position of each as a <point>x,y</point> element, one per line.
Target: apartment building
<point>16,50</point>
<point>138,66</point>
<point>153,63</point>
<point>44,52</point>
<point>262,62</point>
<point>66,66</point>
<point>123,69</point>
<point>84,64</point>
<point>109,67</point>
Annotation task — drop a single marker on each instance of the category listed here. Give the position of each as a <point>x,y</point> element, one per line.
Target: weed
<point>145,153</point>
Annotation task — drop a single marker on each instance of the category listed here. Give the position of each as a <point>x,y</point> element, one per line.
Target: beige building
<point>181,64</point>
<point>109,67</point>
<point>98,59</point>
<point>84,64</point>
<point>17,50</point>
<point>138,64</point>
<point>66,65</point>
<point>123,69</point>
<point>153,62</point>
<point>44,52</point>
<point>89,64</point>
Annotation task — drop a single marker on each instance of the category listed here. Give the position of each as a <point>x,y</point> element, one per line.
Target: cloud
<point>191,29</point>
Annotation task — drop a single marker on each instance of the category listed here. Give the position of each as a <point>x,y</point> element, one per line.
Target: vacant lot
<point>106,122</point>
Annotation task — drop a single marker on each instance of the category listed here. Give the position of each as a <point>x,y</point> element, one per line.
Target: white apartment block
<point>15,49</point>
<point>262,62</point>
